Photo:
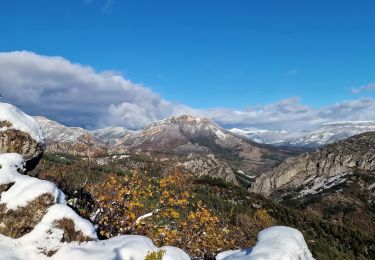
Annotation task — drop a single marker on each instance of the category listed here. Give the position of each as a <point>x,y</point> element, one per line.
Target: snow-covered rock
<point>274,243</point>
<point>19,121</point>
<point>19,133</point>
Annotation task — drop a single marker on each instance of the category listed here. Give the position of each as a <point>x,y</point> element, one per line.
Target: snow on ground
<point>20,121</point>
<point>126,247</point>
<point>25,188</point>
<point>274,243</point>
<point>321,183</point>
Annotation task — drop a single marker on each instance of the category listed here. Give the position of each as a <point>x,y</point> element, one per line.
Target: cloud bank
<point>78,95</point>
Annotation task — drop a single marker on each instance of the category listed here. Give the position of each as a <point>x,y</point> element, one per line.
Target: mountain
<point>111,135</point>
<point>200,142</point>
<point>195,144</point>
<point>60,138</point>
<point>261,136</point>
<point>326,134</point>
<point>336,182</point>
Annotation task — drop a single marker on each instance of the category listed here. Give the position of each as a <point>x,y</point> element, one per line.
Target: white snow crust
<point>274,243</point>
<point>20,121</point>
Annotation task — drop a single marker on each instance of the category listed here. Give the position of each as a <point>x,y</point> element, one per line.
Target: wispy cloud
<point>365,88</point>
<point>291,72</point>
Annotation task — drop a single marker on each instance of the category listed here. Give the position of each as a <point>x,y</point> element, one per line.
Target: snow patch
<point>322,183</point>
<point>25,188</point>
<point>274,243</point>
<point>125,247</point>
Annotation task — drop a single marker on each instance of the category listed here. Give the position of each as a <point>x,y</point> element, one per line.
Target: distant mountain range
<point>328,133</point>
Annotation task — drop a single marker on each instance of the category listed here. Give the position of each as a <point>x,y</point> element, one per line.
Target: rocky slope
<point>336,182</point>
<point>321,169</point>
<point>200,144</point>
<point>111,135</point>
<point>60,138</point>
<point>326,134</point>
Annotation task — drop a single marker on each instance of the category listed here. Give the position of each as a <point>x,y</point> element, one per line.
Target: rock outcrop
<point>20,134</point>
<point>323,168</point>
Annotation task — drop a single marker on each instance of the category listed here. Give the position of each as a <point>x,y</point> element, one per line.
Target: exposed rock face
<point>208,165</point>
<point>15,141</point>
<point>16,223</point>
<point>315,171</point>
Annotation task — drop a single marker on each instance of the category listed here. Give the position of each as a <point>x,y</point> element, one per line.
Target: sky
<point>268,64</point>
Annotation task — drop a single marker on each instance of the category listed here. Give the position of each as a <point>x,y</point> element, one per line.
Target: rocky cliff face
<point>322,169</point>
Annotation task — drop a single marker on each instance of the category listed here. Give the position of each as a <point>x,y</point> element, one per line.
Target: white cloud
<point>78,95</point>
<point>365,88</point>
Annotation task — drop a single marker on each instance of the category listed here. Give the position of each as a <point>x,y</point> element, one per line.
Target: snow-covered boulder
<point>24,200</point>
<point>274,243</point>
<point>19,133</point>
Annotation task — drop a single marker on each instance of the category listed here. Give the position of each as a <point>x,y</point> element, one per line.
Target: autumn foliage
<point>168,210</point>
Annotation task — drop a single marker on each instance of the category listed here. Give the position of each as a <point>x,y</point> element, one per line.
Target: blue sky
<point>209,54</point>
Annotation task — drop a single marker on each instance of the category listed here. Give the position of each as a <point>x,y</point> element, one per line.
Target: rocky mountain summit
<point>187,138</point>
<point>321,169</point>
